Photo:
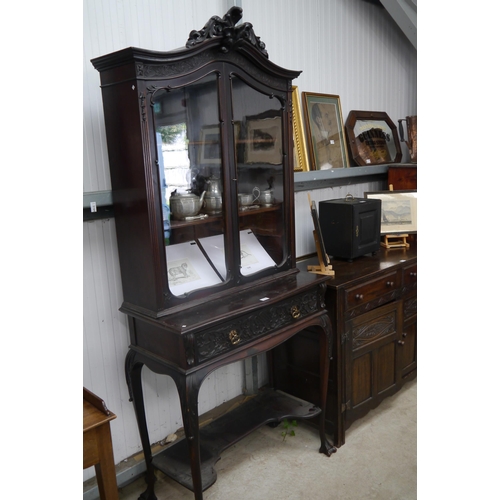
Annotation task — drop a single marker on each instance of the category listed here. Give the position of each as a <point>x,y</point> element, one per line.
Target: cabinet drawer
<point>373,293</point>
<point>409,278</point>
<point>244,329</point>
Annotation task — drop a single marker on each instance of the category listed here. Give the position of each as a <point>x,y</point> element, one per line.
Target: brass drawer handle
<point>401,342</point>
<point>413,275</point>
<point>390,283</point>
<point>295,312</point>
<point>234,337</point>
<point>359,296</point>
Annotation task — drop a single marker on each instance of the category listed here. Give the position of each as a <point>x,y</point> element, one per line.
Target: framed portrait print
<point>398,212</point>
<point>372,138</point>
<point>263,141</point>
<point>300,158</point>
<point>325,131</point>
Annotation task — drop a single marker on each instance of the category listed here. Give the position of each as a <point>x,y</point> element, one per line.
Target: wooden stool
<point>97,445</point>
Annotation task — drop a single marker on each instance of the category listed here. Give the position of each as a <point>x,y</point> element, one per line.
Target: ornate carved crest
<point>231,35</point>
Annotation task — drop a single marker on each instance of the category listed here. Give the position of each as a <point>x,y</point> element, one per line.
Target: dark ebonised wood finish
<point>188,336</point>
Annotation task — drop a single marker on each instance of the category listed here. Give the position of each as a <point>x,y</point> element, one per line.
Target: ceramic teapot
<point>184,205</point>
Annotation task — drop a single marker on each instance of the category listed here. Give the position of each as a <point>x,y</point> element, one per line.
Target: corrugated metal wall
<point>350,48</point>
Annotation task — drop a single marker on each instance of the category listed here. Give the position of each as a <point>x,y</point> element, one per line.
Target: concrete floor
<point>378,462</point>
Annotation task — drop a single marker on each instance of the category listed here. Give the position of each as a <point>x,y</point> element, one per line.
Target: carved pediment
<point>231,35</point>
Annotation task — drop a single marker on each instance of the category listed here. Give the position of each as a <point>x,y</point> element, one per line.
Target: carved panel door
<point>372,358</point>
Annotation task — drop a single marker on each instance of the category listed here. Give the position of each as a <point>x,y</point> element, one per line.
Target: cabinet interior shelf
<point>213,218</point>
<point>267,407</point>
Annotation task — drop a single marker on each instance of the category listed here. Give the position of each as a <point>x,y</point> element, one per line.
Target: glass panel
<point>189,158</point>
<point>259,156</point>
<point>375,142</point>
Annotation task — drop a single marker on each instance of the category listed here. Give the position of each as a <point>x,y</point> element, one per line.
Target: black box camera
<point>350,227</point>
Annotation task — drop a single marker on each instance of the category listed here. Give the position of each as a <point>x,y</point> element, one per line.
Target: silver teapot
<point>213,197</point>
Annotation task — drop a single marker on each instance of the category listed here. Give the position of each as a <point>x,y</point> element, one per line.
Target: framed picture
<point>263,142</point>
<point>300,158</point>
<point>399,211</point>
<point>210,145</point>
<point>372,138</point>
<point>325,131</point>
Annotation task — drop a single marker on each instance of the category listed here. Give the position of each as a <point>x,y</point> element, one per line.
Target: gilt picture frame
<point>300,157</point>
<point>324,127</point>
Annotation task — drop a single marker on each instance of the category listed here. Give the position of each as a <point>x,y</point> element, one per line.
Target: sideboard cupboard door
<point>372,358</point>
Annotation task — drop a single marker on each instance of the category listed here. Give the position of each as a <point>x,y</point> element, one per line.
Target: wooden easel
<point>325,267</point>
<point>399,240</point>
<point>322,268</point>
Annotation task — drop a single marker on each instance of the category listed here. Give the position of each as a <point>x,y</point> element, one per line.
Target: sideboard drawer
<point>409,278</point>
<point>381,290</point>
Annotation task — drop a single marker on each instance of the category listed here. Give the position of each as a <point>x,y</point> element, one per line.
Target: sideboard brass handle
<point>295,312</point>
<point>234,337</point>
<point>401,342</point>
<point>413,275</point>
<point>390,283</point>
<point>359,296</point>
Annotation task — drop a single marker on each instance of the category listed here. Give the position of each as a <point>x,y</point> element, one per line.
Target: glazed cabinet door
<point>222,167</point>
<point>372,358</point>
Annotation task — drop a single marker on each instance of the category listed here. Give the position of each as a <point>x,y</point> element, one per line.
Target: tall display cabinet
<point>201,160</point>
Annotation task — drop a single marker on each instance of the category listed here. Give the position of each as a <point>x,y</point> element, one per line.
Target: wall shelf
<point>316,179</point>
<point>303,181</point>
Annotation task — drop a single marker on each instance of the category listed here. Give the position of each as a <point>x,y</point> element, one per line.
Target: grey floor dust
<point>378,462</point>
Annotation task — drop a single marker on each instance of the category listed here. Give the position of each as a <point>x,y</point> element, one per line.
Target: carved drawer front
<point>372,294</point>
<point>239,331</point>
<point>375,327</point>
<point>409,278</point>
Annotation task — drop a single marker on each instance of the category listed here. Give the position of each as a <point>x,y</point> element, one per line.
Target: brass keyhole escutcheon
<point>295,312</point>
<point>234,337</point>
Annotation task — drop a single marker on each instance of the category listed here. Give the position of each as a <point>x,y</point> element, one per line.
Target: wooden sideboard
<point>372,303</point>
<point>402,176</point>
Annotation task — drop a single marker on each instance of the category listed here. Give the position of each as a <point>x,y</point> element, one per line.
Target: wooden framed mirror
<point>372,138</point>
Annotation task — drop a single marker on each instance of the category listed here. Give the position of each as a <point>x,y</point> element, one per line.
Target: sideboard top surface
<point>346,272</point>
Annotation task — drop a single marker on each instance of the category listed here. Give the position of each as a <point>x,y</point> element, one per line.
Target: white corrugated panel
<point>105,345</point>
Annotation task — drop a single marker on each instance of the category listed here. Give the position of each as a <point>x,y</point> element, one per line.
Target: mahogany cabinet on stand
<point>201,160</point>
<point>372,302</point>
